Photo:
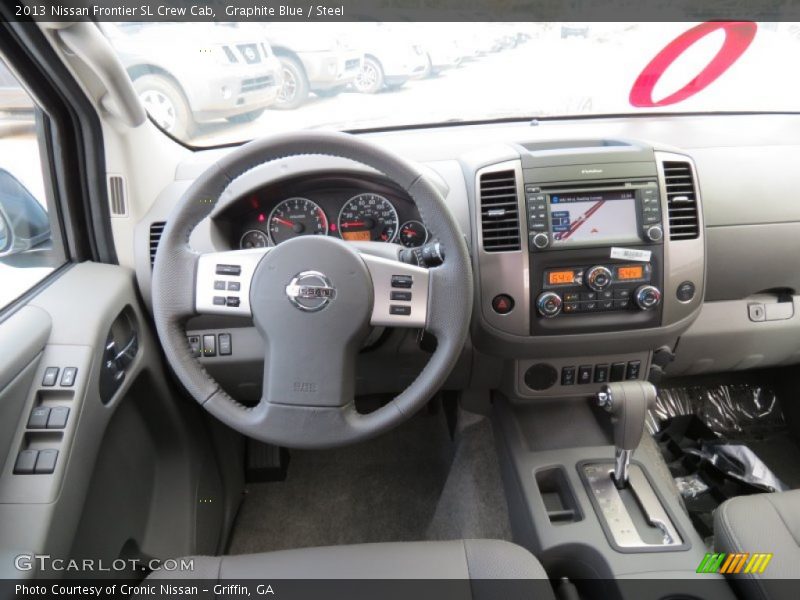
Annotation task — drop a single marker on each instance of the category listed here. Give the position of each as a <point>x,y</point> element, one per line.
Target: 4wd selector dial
<point>598,278</point>
<point>548,304</point>
<point>647,297</point>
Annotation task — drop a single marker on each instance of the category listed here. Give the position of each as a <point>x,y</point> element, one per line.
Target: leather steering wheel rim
<point>174,289</point>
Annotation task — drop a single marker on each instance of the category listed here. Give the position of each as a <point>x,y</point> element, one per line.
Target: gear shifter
<point>627,401</point>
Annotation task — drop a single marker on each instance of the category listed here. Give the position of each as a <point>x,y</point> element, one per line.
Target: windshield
<point>214,83</point>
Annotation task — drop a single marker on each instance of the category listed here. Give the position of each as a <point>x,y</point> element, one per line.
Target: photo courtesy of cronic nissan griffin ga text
<point>486,310</point>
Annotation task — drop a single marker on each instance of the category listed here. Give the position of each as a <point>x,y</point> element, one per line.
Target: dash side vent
<point>156,229</point>
<point>681,201</point>
<point>116,196</point>
<point>499,211</point>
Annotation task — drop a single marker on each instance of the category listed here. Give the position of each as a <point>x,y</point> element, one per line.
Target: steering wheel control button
<point>549,304</point>
<point>224,344</point>
<point>209,345</point>
<point>219,300</point>
<point>402,281</point>
<point>68,376</point>
<point>401,296</point>
<point>58,417</point>
<point>568,376</point>
<point>310,291</point>
<point>26,462</point>
<point>541,376</point>
<point>632,372</point>
<point>46,462</point>
<point>601,373</point>
<point>585,374</point>
<point>38,418</point>
<point>503,304</point>
<point>598,278</point>
<point>685,291</point>
<point>234,270</point>
<point>50,376</point>
<point>647,297</point>
<point>232,301</point>
<point>400,310</point>
<point>219,285</point>
<point>234,286</point>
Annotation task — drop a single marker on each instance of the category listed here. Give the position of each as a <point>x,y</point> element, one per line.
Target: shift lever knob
<point>627,401</point>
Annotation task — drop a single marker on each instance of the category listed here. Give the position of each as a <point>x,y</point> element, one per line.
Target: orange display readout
<point>560,277</point>
<point>356,236</point>
<point>631,272</point>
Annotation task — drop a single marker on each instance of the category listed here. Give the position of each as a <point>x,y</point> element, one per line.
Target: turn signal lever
<point>627,401</point>
<point>429,255</point>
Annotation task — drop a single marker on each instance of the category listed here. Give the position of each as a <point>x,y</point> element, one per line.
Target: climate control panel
<point>597,288</point>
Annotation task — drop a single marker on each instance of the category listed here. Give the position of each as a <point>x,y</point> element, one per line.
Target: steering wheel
<point>313,300</point>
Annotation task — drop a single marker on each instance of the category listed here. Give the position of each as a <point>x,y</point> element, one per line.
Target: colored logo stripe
<point>722,562</point>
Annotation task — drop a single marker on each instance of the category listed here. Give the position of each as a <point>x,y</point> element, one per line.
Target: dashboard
<point>352,208</point>
<point>602,275</point>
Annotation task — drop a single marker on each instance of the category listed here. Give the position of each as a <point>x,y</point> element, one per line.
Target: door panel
<point>127,471</point>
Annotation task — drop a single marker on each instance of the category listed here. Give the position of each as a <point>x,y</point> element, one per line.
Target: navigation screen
<point>594,218</point>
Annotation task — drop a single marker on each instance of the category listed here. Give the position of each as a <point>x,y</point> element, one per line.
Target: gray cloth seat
<point>458,559</point>
<point>764,523</point>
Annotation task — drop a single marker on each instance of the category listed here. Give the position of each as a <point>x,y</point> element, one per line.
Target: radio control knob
<point>541,240</point>
<point>598,278</point>
<point>548,304</point>
<point>647,297</point>
<point>654,233</point>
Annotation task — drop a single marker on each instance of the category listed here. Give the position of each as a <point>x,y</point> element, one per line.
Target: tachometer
<point>368,217</point>
<point>254,238</point>
<point>413,234</point>
<point>294,217</point>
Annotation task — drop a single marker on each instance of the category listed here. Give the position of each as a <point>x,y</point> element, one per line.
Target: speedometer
<point>294,217</point>
<point>368,217</point>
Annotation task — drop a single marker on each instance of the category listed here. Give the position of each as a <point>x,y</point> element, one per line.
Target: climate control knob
<point>541,240</point>
<point>647,297</point>
<point>548,304</point>
<point>598,278</point>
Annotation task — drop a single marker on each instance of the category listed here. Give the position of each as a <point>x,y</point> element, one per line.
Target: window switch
<point>68,376</point>
<point>46,462</point>
<point>58,417</point>
<point>26,461</point>
<point>38,418</point>
<point>50,376</point>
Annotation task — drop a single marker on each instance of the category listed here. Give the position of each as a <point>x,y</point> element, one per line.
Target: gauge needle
<point>283,221</point>
<point>410,232</point>
<point>353,224</point>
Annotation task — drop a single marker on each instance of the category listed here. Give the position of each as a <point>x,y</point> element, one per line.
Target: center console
<point>587,253</point>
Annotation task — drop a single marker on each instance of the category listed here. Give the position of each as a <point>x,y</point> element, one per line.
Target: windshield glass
<point>215,83</point>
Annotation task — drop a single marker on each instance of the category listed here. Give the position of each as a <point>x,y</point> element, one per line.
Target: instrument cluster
<point>353,210</point>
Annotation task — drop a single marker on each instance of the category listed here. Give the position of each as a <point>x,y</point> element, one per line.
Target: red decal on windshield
<point>738,36</point>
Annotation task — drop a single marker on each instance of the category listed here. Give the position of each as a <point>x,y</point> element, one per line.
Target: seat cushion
<point>458,559</point>
<point>764,523</point>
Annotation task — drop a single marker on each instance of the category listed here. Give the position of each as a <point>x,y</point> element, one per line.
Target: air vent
<point>156,229</point>
<point>681,201</point>
<point>499,211</point>
<point>116,196</point>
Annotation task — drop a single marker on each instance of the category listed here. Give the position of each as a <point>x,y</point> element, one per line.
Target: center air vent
<point>156,229</point>
<point>681,201</point>
<point>499,211</point>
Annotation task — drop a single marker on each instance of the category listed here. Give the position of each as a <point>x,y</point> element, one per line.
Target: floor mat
<point>413,483</point>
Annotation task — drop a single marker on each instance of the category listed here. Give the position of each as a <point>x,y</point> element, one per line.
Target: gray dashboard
<point>749,223</point>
